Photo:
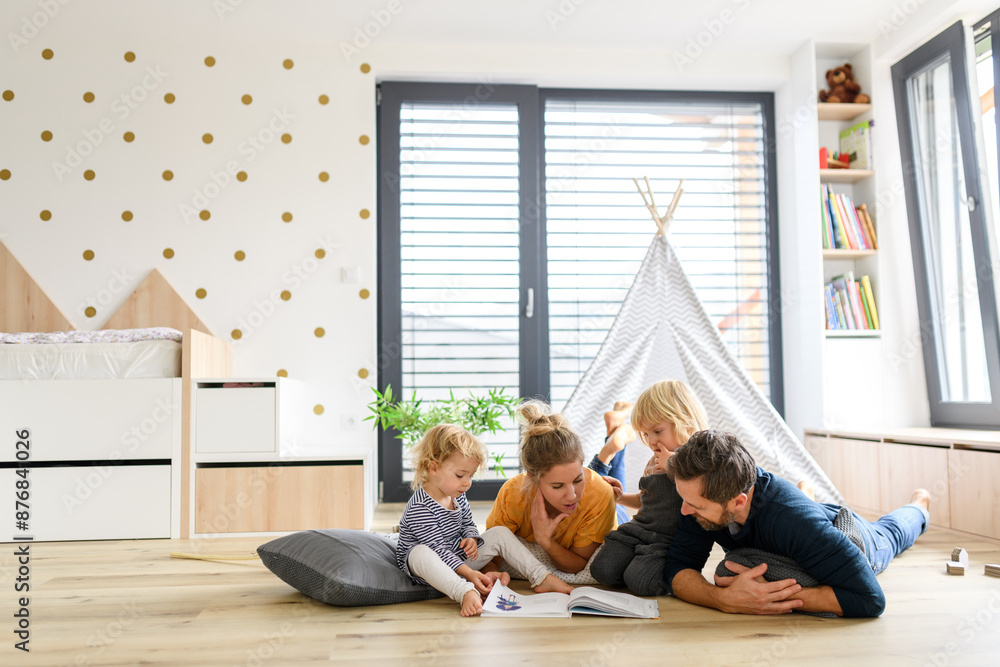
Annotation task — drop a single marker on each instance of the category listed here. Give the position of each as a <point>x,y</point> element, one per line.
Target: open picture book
<point>502,601</point>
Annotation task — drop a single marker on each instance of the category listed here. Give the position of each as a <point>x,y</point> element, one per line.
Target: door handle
<point>529,307</point>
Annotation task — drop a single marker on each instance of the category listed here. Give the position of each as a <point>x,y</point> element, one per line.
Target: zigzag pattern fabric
<point>662,331</point>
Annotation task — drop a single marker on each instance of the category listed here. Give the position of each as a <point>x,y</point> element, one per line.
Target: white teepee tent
<point>663,332</point>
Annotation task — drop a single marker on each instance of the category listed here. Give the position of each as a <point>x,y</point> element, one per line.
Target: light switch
<point>350,274</point>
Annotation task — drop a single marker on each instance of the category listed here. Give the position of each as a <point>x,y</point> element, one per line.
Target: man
<point>730,501</point>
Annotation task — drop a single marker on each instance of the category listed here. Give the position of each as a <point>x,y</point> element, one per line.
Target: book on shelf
<point>850,304</point>
<point>845,226</point>
<point>856,142</point>
<point>502,601</point>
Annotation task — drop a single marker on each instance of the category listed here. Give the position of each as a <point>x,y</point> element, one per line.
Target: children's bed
<point>103,418</point>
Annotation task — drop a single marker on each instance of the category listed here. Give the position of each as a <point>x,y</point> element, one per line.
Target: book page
<point>502,601</point>
<point>589,600</point>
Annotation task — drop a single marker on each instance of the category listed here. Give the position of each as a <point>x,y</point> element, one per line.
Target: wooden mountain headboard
<point>23,304</point>
<point>154,303</point>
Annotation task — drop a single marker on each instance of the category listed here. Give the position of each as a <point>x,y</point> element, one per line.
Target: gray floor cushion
<point>347,568</point>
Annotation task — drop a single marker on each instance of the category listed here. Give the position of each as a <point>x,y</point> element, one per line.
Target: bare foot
<point>616,417</point>
<point>553,584</point>
<point>472,603</point>
<point>807,488</point>
<point>921,497</point>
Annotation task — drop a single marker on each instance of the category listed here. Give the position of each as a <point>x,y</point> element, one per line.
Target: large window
<point>510,231</point>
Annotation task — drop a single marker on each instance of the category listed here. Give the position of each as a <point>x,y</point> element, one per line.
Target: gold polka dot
<point>320,253</point>
<point>168,175</point>
<point>168,253</point>
<point>89,174</point>
<point>320,332</point>
<point>236,334</point>
<point>240,255</point>
<point>169,98</point>
<point>90,311</point>
<point>4,174</point>
<point>8,95</point>
<point>318,409</point>
<point>129,137</point>
<point>209,61</point>
<point>241,176</point>
<point>282,373</point>
<point>365,214</point>
<point>46,136</point>
<point>47,54</point>
<point>88,255</point>
<point>363,140</point>
<point>207,138</point>
<point>363,373</point>
<point>364,294</point>
<point>286,295</point>
<point>247,99</point>
<point>286,138</point>
<point>288,64</point>
<point>45,215</point>
<point>365,68</point>
<point>323,176</point>
<point>129,57</point>
<point>205,215</point>
<point>88,97</point>
<point>127,216</point>
<point>286,216</point>
<point>323,99</point>
<point>200,293</point>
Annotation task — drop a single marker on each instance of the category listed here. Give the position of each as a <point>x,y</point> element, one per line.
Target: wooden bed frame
<point>24,306</point>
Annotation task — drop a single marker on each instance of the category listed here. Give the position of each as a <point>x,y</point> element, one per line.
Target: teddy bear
<point>843,87</point>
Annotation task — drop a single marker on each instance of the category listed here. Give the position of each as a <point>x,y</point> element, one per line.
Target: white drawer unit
<point>235,417</point>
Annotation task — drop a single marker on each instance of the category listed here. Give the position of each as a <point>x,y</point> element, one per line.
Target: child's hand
<point>660,458</point>
<point>482,580</point>
<point>616,485</point>
<point>470,546</point>
<point>502,577</point>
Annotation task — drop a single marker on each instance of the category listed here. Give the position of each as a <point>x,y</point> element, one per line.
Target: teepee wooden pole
<point>650,203</point>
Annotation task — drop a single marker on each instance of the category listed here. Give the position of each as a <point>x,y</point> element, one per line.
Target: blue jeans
<point>891,535</point>
<point>615,468</point>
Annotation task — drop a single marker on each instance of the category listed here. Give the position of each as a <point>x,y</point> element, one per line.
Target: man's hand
<point>744,594</point>
<point>616,485</point>
<point>470,546</point>
<point>723,582</point>
<point>542,524</point>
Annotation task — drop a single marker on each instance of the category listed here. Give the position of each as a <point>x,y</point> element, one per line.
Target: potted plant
<point>414,417</point>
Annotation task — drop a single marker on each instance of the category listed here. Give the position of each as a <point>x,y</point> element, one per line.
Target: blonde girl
<point>439,544</point>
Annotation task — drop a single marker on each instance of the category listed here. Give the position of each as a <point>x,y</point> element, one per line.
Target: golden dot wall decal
<point>8,95</point>
<point>204,215</point>
<point>236,334</point>
<point>365,214</point>
<point>169,98</point>
<point>288,64</point>
<point>318,409</point>
<point>47,54</point>
<point>200,293</point>
<point>323,176</point>
<point>247,99</point>
<point>129,57</point>
<point>286,138</point>
<point>365,68</point>
<point>88,255</point>
<point>320,253</point>
<point>239,255</point>
<point>168,175</point>
<point>127,216</point>
<point>241,176</point>
<point>363,140</point>
<point>282,373</point>
<point>320,332</point>
<point>129,137</point>
<point>4,174</point>
<point>168,253</point>
<point>88,97</point>
<point>89,174</point>
<point>286,295</point>
<point>364,294</point>
<point>207,138</point>
<point>363,373</point>
<point>46,136</point>
<point>209,61</point>
<point>90,311</point>
<point>323,99</point>
<point>286,216</point>
<point>45,215</point>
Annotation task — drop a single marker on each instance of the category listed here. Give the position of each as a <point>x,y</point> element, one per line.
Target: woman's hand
<point>616,485</point>
<point>542,524</point>
<point>470,546</point>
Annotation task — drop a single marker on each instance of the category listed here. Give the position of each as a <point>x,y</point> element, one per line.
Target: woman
<point>564,507</point>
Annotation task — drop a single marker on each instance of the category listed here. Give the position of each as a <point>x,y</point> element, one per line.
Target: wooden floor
<point>128,602</point>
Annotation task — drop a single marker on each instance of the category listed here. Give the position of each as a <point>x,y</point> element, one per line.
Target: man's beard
<point>726,519</point>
